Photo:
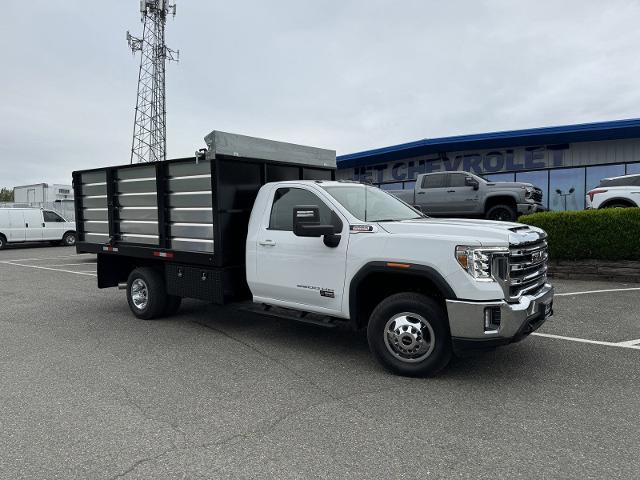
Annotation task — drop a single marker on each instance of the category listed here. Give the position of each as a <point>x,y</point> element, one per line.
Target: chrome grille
<point>527,268</point>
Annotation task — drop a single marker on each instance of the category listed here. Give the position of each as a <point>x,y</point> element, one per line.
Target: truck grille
<point>527,268</point>
<point>537,195</point>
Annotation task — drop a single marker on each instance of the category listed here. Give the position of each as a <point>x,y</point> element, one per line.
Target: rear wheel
<point>69,239</point>
<point>3,242</point>
<point>502,213</point>
<point>408,334</point>
<point>617,205</point>
<point>146,293</point>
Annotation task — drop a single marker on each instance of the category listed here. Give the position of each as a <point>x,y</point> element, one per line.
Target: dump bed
<point>193,210</point>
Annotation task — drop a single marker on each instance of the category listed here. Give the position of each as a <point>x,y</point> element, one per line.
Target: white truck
<point>615,192</point>
<point>263,225</point>
<point>20,225</point>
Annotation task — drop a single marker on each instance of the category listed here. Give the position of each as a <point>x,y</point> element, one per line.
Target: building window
<point>539,179</point>
<point>566,189</point>
<point>391,186</point>
<point>633,168</point>
<point>500,177</point>
<point>595,174</point>
<point>409,185</point>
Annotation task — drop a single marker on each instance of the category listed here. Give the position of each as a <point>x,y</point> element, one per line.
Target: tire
<point>173,305</point>
<point>502,213</point>
<point>3,242</point>
<point>146,293</point>
<point>617,205</point>
<point>69,239</point>
<point>403,312</point>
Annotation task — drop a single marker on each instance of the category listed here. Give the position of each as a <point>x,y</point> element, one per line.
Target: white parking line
<point>52,269</point>
<point>44,258</point>
<point>595,342</point>
<point>598,291</point>
<point>70,264</point>
<point>631,343</point>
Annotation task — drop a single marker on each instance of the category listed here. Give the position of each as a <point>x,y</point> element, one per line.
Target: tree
<point>6,195</point>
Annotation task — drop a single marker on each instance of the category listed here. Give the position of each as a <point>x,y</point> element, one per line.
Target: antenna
<point>149,142</point>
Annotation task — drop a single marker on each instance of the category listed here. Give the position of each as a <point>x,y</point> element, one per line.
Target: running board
<point>290,314</point>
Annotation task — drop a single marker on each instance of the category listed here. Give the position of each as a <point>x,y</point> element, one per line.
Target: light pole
<point>565,195</point>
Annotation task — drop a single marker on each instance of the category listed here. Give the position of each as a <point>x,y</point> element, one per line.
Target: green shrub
<point>608,234</point>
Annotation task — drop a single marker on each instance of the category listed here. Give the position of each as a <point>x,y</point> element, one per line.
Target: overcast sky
<point>343,74</point>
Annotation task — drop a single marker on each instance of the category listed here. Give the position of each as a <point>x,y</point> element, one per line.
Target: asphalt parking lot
<point>88,391</point>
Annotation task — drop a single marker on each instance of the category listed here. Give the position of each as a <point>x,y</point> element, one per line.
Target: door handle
<point>451,191</point>
<point>421,193</point>
<point>43,225</point>
<point>267,243</point>
<point>26,225</point>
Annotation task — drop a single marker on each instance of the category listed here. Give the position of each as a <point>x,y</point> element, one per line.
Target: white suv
<point>616,192</point>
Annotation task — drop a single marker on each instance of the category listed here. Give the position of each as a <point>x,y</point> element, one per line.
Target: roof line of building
<point>595,131</point>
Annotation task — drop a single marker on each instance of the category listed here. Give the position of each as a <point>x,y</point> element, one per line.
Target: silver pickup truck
<point>463,194</point>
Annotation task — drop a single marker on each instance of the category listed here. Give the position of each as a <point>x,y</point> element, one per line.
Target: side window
<point>433,181</point>
<point>51,217</point>
<point>456,180</point>
<point>287,198</point>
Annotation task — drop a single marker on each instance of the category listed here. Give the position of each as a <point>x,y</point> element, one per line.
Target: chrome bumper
<point>516,320</point>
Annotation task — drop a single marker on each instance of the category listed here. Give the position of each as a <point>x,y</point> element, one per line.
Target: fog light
<point>492,318</point>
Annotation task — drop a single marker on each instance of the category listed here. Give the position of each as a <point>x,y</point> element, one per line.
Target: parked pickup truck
<point>462,194</point>
<point>262,225</point>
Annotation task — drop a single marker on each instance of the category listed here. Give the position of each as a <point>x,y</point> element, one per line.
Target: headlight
<point>529,191</point>
<point>477,260</point>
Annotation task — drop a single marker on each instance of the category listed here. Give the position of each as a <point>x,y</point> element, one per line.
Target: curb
<point>618,271</point>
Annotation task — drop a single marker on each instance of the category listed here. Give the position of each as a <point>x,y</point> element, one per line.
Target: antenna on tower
<point>150,124</point>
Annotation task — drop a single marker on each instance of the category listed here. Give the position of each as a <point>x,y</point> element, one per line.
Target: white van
<point>34,225</point>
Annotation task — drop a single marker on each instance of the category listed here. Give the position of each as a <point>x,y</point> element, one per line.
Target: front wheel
<point>502,213</point>
<point>408,333</point>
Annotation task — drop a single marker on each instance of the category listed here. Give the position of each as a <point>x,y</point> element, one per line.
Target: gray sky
<point>343,74</point>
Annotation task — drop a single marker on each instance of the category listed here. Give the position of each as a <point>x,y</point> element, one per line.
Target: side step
<point>289,314</point>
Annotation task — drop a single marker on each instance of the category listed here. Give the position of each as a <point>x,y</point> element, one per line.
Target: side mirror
<point>471,182</point>
<point>306,222</point>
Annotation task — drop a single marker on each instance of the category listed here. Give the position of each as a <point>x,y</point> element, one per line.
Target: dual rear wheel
<point>147,295</point>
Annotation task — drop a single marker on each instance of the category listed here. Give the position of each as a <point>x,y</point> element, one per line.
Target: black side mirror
<point>306,223</point>
<point>471,182</point>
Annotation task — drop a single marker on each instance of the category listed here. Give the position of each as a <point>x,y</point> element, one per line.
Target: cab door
<point>299,272</point>
<point>34,224</point>
<point>431,194</point>
<point>54,226</point>
<point>461,198</point>
<point>17,230</point>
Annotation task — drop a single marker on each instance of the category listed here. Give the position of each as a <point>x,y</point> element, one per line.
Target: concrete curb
<point>619,271</point>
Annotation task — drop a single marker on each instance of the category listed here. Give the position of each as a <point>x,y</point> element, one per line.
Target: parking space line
<point>584,340</point>
<point>631,343</point>
<point>598,291</point>
<point>52,269</point>
<point>43,258</point>
<point>69,264</point>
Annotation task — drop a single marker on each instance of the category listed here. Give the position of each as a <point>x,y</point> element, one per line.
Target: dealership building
<point>565,162</point>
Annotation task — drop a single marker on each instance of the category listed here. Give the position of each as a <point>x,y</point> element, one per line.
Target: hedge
<point>607,234</point>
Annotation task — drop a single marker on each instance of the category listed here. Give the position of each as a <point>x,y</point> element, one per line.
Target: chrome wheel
<point>409,337</point>
<point>139,294</point>
<point>70,239</point>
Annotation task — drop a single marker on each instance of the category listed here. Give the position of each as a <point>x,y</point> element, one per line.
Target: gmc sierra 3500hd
<point>256,222</point>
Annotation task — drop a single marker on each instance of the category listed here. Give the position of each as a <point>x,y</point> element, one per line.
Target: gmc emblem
<point>537,256</point>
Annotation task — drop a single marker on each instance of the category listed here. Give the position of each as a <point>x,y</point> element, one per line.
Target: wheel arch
<point>500,199</point>
<point>624,200</point>
<point>377,280</point>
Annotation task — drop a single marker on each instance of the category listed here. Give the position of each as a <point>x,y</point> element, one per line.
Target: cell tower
<point>150,125</point>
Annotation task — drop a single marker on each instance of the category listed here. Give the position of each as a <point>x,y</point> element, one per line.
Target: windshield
<point>371,204</point>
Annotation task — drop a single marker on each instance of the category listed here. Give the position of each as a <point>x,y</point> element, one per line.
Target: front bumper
<point>517,320</point>
<point>526,208</point>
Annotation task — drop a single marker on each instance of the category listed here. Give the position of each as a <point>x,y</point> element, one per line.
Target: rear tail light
<point>594,192</point>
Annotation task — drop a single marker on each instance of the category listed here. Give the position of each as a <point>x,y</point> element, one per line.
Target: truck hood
<point>485,232</point>
<point>510,184</point>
